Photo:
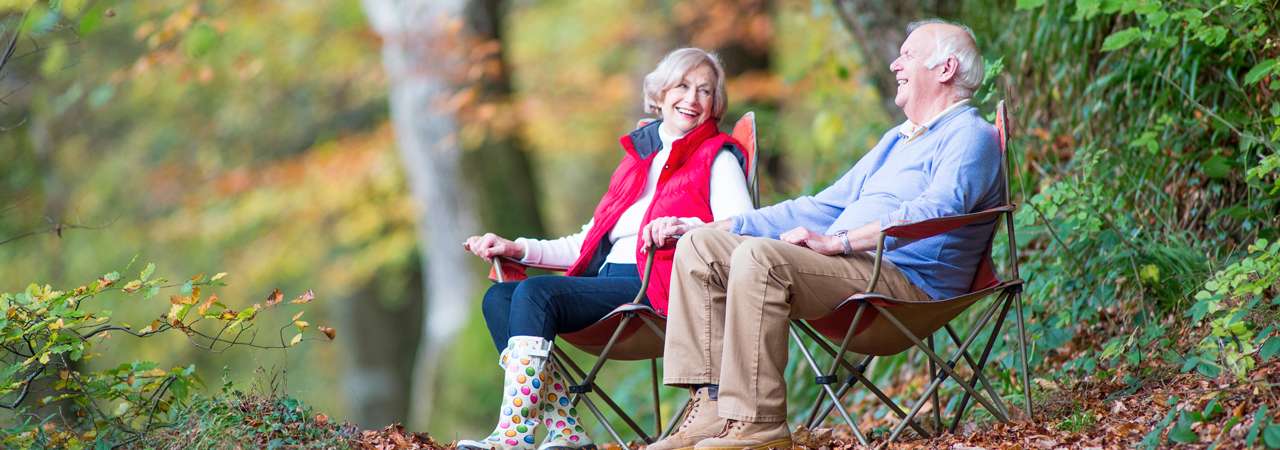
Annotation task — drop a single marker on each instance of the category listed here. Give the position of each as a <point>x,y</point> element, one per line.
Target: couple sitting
<point>737,275</point>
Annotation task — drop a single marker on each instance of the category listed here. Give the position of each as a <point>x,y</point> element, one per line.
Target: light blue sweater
<point>953,168</point>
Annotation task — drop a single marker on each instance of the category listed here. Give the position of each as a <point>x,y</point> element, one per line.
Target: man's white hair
<point>969,71</point>
<point>672,70</point>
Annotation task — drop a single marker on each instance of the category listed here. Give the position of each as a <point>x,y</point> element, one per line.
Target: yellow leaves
<point>204,307</point>
<point>298,315</point>
<point>57,324</point>
<point>296,339</point>
<point>328,332</point>
<point>132,286</point>
<point>305,298</point>
<point>44,358</point>
<point>218,276</point>
<point>155,325</point>
<point>176,311</point>
<point>301,324</point>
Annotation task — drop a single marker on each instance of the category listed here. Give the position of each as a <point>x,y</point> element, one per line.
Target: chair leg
<point>605,422</point>
<point>937,405</point>
<point>943,364</point>
<point>657,399</point>
<point>858,373</point>
<point>1022,345</point>
<point>980,365</point>
<point>827,388</point>
<point>587,385</point>
<point>675,420</point>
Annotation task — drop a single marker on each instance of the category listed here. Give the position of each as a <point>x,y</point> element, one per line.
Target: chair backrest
<point>744,131</point>
<point>986,275</point>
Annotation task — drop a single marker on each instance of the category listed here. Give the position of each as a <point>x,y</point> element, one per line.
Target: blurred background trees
<point>348,146</point>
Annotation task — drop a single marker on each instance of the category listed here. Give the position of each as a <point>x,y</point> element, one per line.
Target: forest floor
<point>1164,409</point>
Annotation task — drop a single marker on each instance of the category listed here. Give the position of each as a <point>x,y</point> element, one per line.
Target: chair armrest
<point>938,225</point>
<point>508,269</point>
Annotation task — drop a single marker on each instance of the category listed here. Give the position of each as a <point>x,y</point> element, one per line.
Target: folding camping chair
<point>619,335</point>
<point>872,324</point>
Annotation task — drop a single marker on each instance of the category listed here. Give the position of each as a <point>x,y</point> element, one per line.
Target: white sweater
<point>729,197</point>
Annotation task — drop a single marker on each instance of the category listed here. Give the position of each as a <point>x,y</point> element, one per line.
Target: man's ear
<point>949,69</point>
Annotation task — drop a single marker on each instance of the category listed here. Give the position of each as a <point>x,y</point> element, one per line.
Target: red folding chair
<point>619,335</point>
<point>872,324</point>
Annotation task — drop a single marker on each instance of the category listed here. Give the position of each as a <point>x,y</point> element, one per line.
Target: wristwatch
<point>844,239</point>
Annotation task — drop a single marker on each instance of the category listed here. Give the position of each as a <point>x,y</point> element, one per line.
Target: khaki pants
<point>731,298</point>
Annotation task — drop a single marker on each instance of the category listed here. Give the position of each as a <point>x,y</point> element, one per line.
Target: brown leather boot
<point>749,435</point>
<point>700,423</point>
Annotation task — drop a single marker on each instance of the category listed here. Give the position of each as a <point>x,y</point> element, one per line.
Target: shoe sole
<point>776,443</point>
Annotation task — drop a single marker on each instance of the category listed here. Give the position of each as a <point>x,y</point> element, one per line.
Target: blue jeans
<point>547,305</point>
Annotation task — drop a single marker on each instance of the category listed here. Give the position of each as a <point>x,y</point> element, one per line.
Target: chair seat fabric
<point>636,342</point>
<point>875,335</point>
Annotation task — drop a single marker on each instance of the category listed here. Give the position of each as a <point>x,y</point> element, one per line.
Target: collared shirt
<point>910,130</point>
<point>951,167</point>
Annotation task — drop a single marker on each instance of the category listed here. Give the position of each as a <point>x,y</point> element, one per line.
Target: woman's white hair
<point>970,70</point>
<point>672,70</point>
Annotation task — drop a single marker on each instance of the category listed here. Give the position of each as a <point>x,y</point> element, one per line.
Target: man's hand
<point>490,245</point>
<point>818,242</point>
<point>658,231</point>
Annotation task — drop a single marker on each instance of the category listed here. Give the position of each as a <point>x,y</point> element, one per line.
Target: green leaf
<point>1121,39</point>
<point>1261,70</point>
<point>1086,9</point>
<point>1258,417</point>
<point>1029,4</point>
<point>147,271</point>
<point>1212,36</point>
<point>91,20</point>
<point>1217,166</point>
<point>1269,349</point>
<point>1271,436</point>
<point>1181,432</point>
<point>200,40</point>
<point>1190,363</point>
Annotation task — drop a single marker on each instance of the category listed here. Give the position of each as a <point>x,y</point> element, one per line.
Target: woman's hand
<point>818,242</point>
<point>658,231</point>
<point>490,245</point>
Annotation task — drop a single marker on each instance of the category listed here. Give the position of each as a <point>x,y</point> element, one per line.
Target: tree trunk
<point>375,372</point>
<point>505,185</point>
<point>424,62</point>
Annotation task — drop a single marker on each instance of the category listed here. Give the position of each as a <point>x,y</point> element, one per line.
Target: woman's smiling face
<point>688,104</point>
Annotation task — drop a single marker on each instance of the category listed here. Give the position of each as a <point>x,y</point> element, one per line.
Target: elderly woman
<point>680,168</point>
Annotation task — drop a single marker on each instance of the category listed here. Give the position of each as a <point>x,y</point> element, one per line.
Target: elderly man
<point>737,281</point>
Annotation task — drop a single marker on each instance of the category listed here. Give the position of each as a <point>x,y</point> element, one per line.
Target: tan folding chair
<point>872,324</point>
<point>619,335</point>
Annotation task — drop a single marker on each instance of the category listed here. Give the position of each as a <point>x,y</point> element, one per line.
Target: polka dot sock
<point>564,430</point>
<point>522,402</point>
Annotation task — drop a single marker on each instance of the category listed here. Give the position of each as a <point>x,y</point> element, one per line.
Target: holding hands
<point>818,242</point>
<point>658,231</point>
<point>491,245</point>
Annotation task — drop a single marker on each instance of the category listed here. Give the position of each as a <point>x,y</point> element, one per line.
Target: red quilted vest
<point>683,190</point>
